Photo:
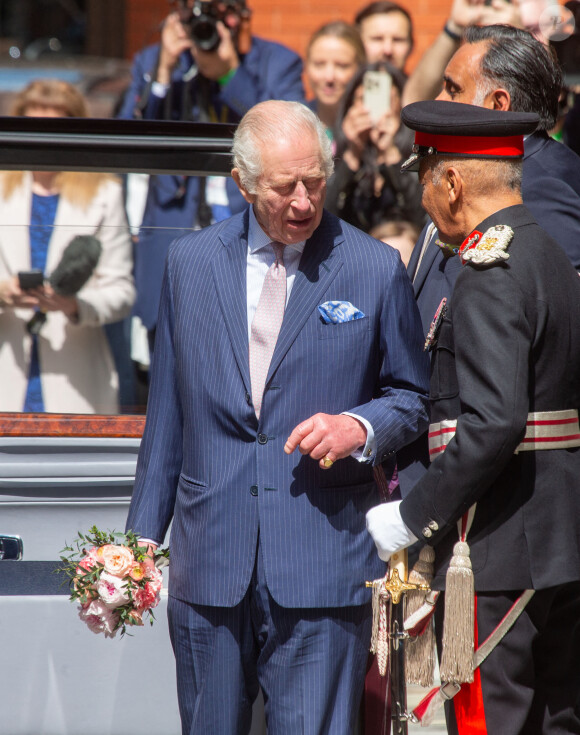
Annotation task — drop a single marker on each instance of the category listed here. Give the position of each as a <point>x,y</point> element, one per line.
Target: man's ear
<point>454,185</point>
<point>501,99</point>
<point>250,198</point>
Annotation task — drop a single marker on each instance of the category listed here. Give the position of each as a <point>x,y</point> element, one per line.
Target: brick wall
<point>291,22</point>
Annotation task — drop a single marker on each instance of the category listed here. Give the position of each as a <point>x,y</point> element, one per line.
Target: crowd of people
<point>291,352</point>
<point>179,79</point>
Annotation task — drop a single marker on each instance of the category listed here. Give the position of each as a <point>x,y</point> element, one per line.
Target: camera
<point>201,17</point>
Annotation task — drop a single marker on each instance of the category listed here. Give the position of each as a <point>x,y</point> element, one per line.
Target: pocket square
<point>336,312</point>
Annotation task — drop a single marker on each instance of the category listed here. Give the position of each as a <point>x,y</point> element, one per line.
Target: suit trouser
<point>530,683</point>
<point>310,664</point>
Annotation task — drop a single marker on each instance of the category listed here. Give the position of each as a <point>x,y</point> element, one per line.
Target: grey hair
<point>495,173</point>
<point>265,125</point>
<point>528,69</point>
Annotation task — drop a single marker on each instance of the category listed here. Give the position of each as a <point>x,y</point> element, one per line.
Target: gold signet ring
<point>327,463</point>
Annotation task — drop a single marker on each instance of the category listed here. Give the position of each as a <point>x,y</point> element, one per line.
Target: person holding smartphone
<point>68,366</point>
<point>367,187</point>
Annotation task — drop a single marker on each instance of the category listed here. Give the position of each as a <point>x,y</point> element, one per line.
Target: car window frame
<point>121,147</point>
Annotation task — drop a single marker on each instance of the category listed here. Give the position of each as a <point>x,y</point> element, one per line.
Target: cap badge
<point>488,248</point>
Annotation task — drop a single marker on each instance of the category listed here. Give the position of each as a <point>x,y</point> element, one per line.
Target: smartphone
<point>377,93</point>
<point>30,279</point>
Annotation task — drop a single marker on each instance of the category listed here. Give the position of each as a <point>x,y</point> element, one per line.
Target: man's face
<point>387,37</point>
<point>289,198</point>
<point>462,80</point>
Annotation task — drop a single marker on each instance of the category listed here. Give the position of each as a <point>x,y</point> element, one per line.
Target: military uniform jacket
<point>509,345</point>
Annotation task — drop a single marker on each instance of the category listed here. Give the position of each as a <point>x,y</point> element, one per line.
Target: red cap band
<point>510,146</point>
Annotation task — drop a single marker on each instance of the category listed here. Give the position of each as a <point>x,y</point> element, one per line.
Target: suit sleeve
<point>138,100</point>
<point>269,72</point>
<point>555,206</point>
<point>159,463</point>
<point>491,338</point>
<point>399,411</point>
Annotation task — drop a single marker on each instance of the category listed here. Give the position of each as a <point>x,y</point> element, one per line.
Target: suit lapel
<point>229,269</point>
<point>319,266</point>
<point>425,264</point>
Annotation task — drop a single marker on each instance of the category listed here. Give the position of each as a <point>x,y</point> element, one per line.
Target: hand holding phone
<point>30,279</point>
<point>377,93</point>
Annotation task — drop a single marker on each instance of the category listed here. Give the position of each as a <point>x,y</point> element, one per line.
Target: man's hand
<point>474,12</point>
<point>502,12</point>
<point>389,532</point>
<point>174,41</point>
<point>149,561</point>
<point>216,64</point>
<point>327,437</point>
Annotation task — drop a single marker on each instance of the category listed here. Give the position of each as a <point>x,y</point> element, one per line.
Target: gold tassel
<point>458,628</point>
<point>420,651</point>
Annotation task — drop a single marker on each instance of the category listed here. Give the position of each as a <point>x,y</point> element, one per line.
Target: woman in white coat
<point>68,367</point>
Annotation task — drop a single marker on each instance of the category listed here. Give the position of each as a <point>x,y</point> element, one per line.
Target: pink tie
<point>266,324</point>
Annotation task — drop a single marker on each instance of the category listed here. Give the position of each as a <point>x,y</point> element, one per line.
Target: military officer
<point>505,392</point>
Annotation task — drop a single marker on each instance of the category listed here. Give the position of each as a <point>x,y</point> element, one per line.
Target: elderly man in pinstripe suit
<point>281,328</point>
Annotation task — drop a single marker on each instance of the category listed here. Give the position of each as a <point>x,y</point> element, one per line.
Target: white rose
<point>112,590</point>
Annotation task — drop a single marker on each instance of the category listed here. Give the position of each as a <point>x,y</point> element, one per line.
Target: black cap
<point>453,128</point>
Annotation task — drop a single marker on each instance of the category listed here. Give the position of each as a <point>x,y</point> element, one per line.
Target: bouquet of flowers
<point>114,579</point>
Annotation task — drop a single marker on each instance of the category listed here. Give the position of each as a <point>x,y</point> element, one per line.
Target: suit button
<point>427,532</point>
<point>433,525</point>
<point>254,490</point>
<point>262,439</point>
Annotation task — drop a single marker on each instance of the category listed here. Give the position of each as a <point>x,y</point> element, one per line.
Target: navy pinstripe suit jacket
<point>222,477</point>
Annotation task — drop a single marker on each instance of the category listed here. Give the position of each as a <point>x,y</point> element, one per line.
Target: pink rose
<point>155,579</point>
<point>146,597</point>
<point>112,590</point>
<point>117,560</point>
<point>99,618</point>
<point>89,560</point>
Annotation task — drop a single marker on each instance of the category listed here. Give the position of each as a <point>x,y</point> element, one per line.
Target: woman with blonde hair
<point>68,365</point>
<point>333,55</point>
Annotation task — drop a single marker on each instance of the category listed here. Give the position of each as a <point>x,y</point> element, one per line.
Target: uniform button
<point>427,532</point>
<point>433,525</point>
<point>254,490</point>
<point>262,439</point>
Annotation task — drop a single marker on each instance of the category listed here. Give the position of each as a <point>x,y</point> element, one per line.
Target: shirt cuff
<point>159,89</point>
<point>366,453</point>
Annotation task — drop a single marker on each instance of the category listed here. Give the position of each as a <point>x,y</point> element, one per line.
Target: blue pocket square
<point>336,312</point>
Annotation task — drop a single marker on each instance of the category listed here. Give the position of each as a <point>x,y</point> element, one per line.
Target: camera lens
<point>204,33</point>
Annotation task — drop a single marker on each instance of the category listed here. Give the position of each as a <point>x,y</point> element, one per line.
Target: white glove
<point>390,534</point>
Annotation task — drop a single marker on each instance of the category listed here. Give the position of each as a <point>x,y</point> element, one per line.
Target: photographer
<point>207,68</point>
